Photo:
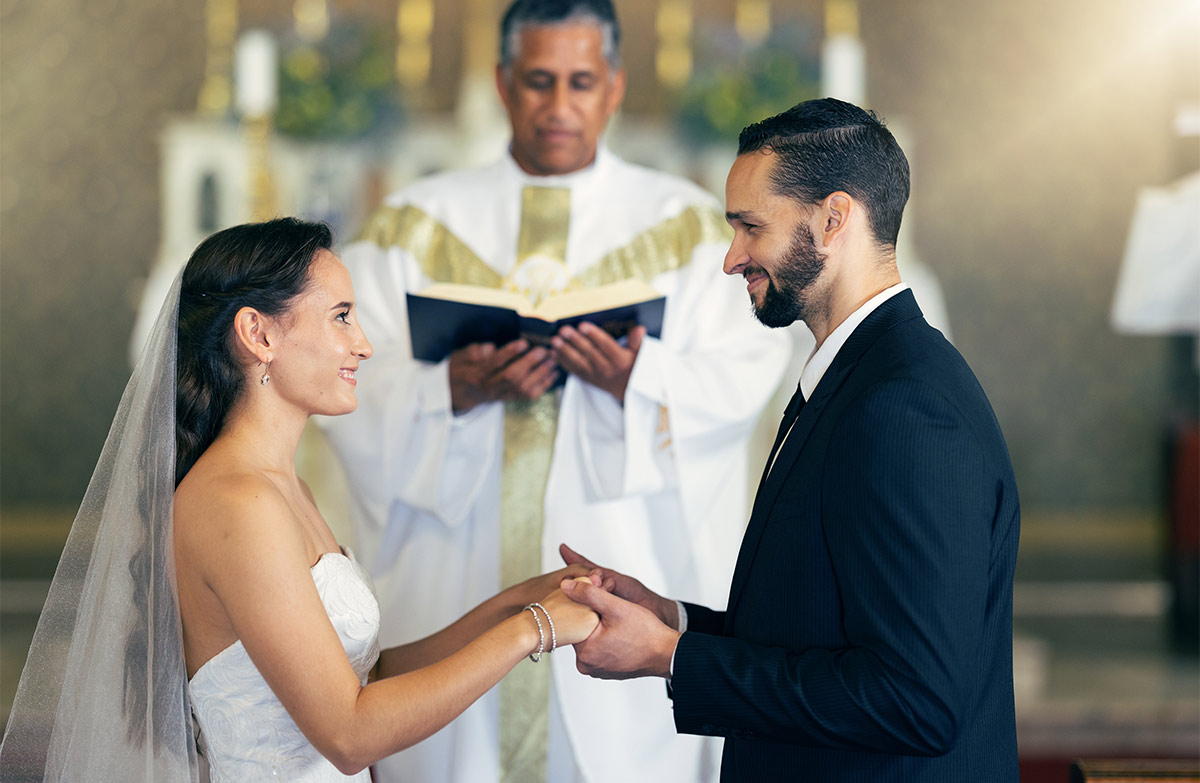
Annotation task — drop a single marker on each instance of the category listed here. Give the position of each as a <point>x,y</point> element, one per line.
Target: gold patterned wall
<point>1034,125</point>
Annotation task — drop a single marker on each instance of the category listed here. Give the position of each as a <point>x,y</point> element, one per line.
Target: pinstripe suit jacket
<point>868,635</point>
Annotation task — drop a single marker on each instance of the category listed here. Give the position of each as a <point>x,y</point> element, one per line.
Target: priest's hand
<point>481,373</point>
<point>592,354</point>
<point>626,587</point>
<point>629,641</point>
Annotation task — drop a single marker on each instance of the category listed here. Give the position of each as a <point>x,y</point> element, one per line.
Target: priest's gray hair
<point>546,13</point>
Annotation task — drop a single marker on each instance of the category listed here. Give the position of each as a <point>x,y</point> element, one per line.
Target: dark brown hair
<point>260,265</point>
<point>827,145</point>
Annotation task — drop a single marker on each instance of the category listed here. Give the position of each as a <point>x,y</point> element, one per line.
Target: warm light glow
<point>414,53</point>
<point>673,60</point>
<point>752,19</point>
<point>841,18</point>
<point>220,28</point>
<point>312,19</point>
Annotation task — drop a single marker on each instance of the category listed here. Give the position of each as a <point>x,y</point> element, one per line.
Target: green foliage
<point>340,87</point>
<point>745,87</point>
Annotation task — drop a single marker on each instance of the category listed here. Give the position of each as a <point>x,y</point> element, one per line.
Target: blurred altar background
<point>1054,148</point>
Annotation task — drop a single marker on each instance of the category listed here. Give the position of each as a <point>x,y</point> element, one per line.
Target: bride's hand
<point>538,587</point>
<point>573,622</point>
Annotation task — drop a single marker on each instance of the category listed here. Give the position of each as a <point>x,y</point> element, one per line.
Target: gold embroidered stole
<point>530,427</point>
<point>529,430</point>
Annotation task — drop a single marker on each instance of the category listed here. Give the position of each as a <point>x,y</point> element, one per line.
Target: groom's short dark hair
<point>826,145</point>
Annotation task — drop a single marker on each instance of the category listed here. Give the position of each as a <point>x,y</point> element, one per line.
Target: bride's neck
<point>267,435</point>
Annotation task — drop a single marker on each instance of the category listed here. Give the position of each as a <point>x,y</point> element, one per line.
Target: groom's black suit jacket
<point>868,635</point>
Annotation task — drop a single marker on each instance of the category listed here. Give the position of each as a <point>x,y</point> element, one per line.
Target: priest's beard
<point>789,285</point>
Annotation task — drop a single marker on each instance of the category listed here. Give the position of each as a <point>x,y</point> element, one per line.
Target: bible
<point>445,316</point>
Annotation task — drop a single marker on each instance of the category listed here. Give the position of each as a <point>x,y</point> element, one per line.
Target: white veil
<point>103,695</point>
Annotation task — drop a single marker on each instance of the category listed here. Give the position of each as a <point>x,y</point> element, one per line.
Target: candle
<point>257,89</point>
<point>843,61</point>
<point>844,69</point>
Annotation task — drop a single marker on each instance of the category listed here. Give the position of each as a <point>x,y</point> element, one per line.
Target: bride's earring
<point>266,376</point>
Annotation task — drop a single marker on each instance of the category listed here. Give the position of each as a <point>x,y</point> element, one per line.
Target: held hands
<point>625,587</point>
<point>590,353</point>
<point>538,587</point>
<point>573,622</point>
<point>481,373</point>
<point>632,639</point>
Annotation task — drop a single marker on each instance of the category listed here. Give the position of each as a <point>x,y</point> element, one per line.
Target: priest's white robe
<point>656,488</point>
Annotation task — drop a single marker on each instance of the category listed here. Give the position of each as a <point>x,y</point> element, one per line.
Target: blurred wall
<point>1033,126</point>
<point>84,88</point>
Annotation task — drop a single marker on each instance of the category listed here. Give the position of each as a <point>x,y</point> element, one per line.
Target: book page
<point>473,294</point>
<point>591,300</point>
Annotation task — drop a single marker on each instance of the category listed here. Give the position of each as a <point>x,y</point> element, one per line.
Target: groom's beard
<point>786,298</point>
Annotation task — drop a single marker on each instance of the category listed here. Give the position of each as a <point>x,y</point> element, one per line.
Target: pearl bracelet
<point>550,621</point>
<point>541,635</point>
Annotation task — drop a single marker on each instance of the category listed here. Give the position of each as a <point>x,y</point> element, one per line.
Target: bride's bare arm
<point>408,657</point>
<point>255,561</point>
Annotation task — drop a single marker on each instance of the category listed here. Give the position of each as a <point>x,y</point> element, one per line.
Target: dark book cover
<point>439,326</point>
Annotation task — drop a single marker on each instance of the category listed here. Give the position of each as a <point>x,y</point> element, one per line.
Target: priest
<point>466,474</point>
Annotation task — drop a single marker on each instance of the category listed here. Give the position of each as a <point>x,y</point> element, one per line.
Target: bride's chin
<point>348,406</point>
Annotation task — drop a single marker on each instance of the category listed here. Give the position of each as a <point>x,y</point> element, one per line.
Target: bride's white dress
<point>245,733</point>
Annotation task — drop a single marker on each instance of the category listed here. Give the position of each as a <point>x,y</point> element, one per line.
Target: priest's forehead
<point>524,14</point>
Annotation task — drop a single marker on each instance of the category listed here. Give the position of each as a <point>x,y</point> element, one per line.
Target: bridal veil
<point>103,695</point>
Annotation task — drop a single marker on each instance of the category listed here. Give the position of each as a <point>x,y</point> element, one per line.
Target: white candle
<point>257,91</point>
<point>844,69</point>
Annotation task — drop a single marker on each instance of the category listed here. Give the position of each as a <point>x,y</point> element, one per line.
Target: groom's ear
<point>251,334</point>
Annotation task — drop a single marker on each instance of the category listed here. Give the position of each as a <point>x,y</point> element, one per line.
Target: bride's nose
<point>362,347</point>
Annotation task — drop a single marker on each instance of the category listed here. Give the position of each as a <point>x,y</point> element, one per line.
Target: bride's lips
<point>347,375</point>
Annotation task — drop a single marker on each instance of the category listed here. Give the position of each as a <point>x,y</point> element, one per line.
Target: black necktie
<point>790,413</point>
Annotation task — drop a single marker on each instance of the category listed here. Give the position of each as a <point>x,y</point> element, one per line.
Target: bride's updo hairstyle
<point>260,265</point>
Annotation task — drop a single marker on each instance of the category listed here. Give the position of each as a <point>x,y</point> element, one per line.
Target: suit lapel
<point>774,480</point>
<point>901,307</point>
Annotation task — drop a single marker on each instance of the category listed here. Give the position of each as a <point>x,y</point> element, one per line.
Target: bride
<point>202,614</point>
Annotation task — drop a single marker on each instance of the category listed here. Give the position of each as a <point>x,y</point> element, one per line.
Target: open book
<point>446,316</point>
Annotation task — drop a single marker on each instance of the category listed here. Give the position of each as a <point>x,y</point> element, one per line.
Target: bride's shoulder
<point>236,535</point>
<point>230,505</point>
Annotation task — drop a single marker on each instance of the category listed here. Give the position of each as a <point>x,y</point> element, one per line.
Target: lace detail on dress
<point>245,733</point>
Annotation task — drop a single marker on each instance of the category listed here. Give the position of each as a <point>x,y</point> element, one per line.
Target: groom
<point>868,635</point>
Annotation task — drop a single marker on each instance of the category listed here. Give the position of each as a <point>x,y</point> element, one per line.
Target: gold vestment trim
<point>666,246</point>
<point>443,257</point>
<point>529,430</point>
<point>545,216</point>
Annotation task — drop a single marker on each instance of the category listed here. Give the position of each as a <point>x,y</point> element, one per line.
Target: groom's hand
<point>629,641</point>
<point>625,587</point>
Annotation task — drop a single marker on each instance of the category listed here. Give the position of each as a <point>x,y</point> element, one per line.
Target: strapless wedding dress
<point>245,733</point>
